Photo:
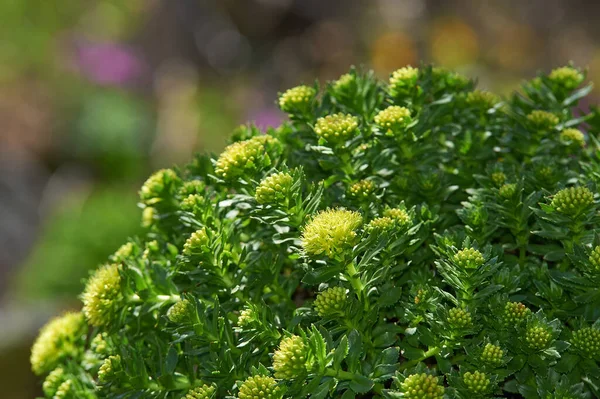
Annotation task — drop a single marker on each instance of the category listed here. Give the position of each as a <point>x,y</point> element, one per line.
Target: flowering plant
<point>416,239</point>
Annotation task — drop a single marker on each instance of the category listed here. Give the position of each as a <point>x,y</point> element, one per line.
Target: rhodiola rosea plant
<point>416,238</point>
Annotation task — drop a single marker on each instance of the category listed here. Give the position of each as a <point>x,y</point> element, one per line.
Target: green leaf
<point>361,384</point>
<point>340,352</point>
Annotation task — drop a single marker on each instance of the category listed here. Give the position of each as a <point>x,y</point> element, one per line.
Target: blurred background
<point>96,94</point>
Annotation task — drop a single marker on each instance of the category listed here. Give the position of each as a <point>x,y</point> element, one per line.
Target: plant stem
<point>339,374</point>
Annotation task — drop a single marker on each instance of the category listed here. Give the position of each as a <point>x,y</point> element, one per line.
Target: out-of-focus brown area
<point>96,94</point>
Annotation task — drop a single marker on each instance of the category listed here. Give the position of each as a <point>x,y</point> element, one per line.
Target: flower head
<point>422,386</point>
<point>180,312</point>
<point>498,178</point>
<point>289,360</point>
<point>102,298</point>
<point>260,387</point>
<point>109,368</point>
<point>594,259</point>
<point>469,258</point>
<point>507,191</point>
<point>124,252</point>
<point>362,189</point>
<point>246,317</point>
<point>587,341</point>
<point>515,312</point>
<point>403,80</point>
<point>246,156</point>
<point>192,187</point>
<point>297,99</point>
<point>492,354</point>
<point>202,392</point>
<point>542,120</point>
<point>196,243</point>
<point>400,215</point>
<point>380,224</point>
<point>192,202</point>
<point>274,188</point>
<point>56,341</point>
<point>53,382</point>
<point>393,118</point>
<point>572,136</point>
<point>330,231</point>
<point>476,382</point>
<point>99,345</point>
<point>65,390</point>
<point>482,99</point>
<point>566,77</point>
<point>459,318</point>
<point>572,201</point>
<point>158,186</point>
<point>337,128</point>
<point>331,301</point>
<point>537,336</point>
<point>148,216</point>
<point>344,82</point>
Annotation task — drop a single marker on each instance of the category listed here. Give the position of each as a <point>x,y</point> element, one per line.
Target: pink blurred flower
<point>108,63</point>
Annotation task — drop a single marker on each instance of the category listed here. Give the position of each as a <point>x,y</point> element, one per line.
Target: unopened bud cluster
<point>469,258</point>
<point>566,77</point>
<point>362,189</point>
<point>399,215</point>
<point>274,188</point>
<point>492,354</point>
<point>482,99</point>
<point>594,259</point>
<point>403,80</point>
<point>196,243</point>
<point>537,336</point>
<point>587,340</point>
<point>498,178</point>
<point>393,118</point>
<point>331,301</point>
<point>573,136</point>
<point>245,156</point>
<point>260,387</point>
<point>108,370</point>
<point>476,382</point>
<point>515,312</point>
<point>507,191</point>
<point>542,120</point>
<point>297,99</point>
<point>459,318</point>
<point>422,386</point>
<point>289,360</point>
<point>573,200</point>
<point>336,128</point>
<point>202,392</point>
<point>180,312</point>
<point>158,185</point>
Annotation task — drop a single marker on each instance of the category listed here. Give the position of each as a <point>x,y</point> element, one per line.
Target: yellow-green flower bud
<point>344,83</point>
<point>492,354</point>
<point>99,345</point>
<point>53,382</point>
<point>476,382</point>
<point>297,99</point>
<point>148,216</point>
<point>507,191</point>
<point>587,341</point>
<point>573,200</point>
<point>65,391</point>
<point>124,252</point>
<point>109,368</point>
<point>203,392</point>
<point>537,336</point>
<point>196,243</point>
<point>459,318</point>
<point>401,216</point>
<point>469,258</point>
<point>330,232</point>
<point>515,312</point>
<point>159,185</point>
<point>566,77</point>
<point>274,188</point>
<point>403,80</point>
<point>102,297</point>
<point>498,178</point>
<point>245,156</point>
<point>380,224</point>
<point>362,189</point>
<point>180,312</point>
<point>337,128</point>
<point>330,302</point>
<point>289,361</point>
<point>572,136</point>
<point>192,187</point>
<point>595,259</point>
<point>542,120</point>
<point>245,318</point>
<point>482,99</point>
<point>260,387</point>
<point>393,118</point>
<point>422,386</point>
<point>56,341</point>
<point>192,202</point>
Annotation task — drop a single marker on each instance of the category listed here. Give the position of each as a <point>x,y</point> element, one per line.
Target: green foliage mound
<point>411,239</point>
